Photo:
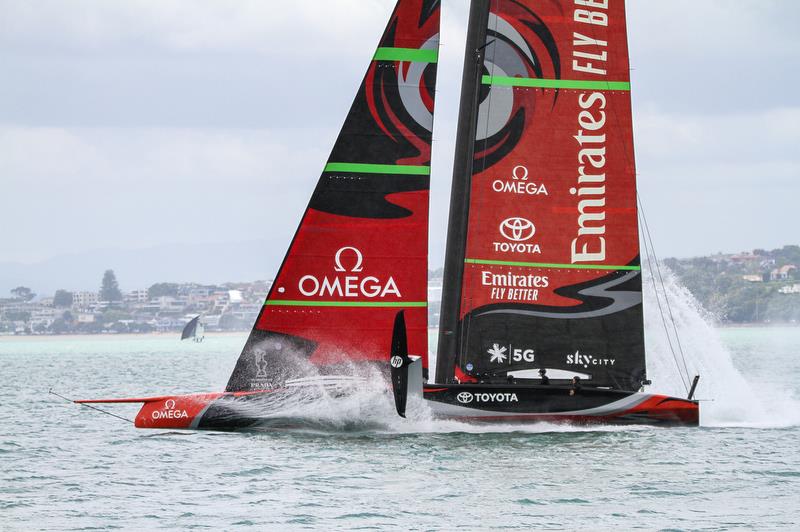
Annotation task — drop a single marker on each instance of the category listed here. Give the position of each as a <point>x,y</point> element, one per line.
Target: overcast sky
<point>140,123</point>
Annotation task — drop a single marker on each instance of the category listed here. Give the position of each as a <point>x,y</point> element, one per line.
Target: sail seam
<point>412,55</point>
<point>375,304</point>
<point>505,81</point>
<point>551,265</point>
<point>363,168</point>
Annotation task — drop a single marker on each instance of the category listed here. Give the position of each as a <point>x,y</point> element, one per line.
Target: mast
<point>455,250</point>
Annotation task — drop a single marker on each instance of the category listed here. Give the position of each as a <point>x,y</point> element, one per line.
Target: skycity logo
<point>466,398</point>
<point>348,260</point>
<point>517,231</point>
<point>587,360</point>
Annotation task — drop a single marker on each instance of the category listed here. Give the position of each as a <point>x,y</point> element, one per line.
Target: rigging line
<point>661,313</point>
<point>51,392</point>
<point>643,222</point>
<point>661,280</point>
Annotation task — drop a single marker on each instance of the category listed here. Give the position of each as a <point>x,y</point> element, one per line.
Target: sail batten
<point>613,267</point>
<point>368,168</point>
<point>506,81</point>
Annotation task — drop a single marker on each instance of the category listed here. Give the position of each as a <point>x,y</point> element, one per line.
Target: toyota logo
<point>464,398</point>
<point>396,362</point>
<point>517,229</point>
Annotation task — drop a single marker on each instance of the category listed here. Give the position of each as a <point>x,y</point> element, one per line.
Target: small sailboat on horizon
<point>542,273</point>
<point>194,329</point>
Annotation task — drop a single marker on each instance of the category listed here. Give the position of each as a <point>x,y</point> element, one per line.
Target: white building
<point>84,299</point>
<point>137,296</point>
<point>790,289</point>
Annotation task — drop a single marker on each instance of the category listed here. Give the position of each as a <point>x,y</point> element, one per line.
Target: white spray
<point>730,400</point>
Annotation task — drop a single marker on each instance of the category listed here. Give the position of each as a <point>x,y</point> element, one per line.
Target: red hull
<point>218,411</point>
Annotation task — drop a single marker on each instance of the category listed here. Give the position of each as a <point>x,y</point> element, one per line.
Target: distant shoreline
<point>228,334</point>
<point>176,336</point>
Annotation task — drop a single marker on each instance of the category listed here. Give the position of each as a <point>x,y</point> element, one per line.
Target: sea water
<point>64,467</point>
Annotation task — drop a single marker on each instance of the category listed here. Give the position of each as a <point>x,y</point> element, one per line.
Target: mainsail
<point>190,330</point>
<point>542,263</point>
<point>360,253</point>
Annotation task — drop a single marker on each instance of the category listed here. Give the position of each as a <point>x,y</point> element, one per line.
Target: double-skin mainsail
<point>542,264</point>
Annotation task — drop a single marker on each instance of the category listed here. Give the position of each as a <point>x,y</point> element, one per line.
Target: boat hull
<point>465,402</point>
<point>515,403</point>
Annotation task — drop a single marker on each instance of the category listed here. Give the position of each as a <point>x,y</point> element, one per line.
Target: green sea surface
<point>63,467</point>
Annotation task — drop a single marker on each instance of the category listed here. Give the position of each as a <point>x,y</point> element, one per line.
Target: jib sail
<point>360,253</point>
<point>543,248</point>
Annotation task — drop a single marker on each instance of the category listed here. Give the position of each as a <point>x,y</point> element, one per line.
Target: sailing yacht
<point>194,329</point>
<point>542,273</point>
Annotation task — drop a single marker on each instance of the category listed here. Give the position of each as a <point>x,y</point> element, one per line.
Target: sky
<point>131,125</point>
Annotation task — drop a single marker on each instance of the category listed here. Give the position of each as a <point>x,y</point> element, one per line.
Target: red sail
<point>551,267</point>
<point>360,253</point>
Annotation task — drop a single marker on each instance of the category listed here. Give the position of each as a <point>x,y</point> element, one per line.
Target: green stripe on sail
<point>556,266</point>
<point>362,168</point>
<point>406,54</point>
<point>369,304</point>
<point>504,81</point>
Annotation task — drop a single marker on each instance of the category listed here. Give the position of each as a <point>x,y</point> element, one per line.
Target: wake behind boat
<point>542,274</point>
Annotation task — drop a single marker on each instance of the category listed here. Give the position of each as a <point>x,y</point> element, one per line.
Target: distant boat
<point>541,316</point>
<point>195,330</point>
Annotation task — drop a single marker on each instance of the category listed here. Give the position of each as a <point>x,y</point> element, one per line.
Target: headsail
<point>543,239</point>
<point>360,253</point>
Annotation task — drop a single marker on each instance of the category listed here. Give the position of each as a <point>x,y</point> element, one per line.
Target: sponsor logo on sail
<point>500,354</point>
<point>514,287</point>
<point>517,229</point>
<point>586,361</point>
<point>396,362</point>
<point>466,398</point>
<point>519,184</point>
<point>590,56</point>
<point>517,232</point>
<point>343,284</point>
<point>169,411</point>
